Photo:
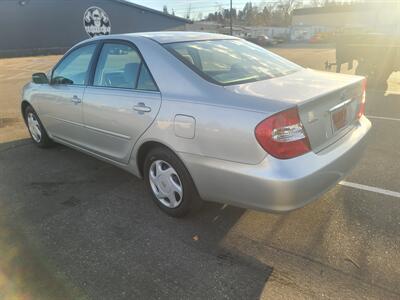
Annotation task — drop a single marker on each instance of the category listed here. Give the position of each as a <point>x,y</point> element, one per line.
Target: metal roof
<point>154,11</point>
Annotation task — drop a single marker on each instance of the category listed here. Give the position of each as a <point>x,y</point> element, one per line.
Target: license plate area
<point>340,116</point>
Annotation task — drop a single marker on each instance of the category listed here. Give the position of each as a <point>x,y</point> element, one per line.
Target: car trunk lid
<point>327,102</point>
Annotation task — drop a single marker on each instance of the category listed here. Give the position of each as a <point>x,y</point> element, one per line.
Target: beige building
<point>376,17</point>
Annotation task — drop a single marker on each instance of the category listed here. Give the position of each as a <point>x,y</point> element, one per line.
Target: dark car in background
<point>262,40</point>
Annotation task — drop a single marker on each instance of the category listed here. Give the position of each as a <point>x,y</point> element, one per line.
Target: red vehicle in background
<point>322,37</point>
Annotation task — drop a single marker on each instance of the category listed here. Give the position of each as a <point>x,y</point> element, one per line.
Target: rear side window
<point>118,66</point>
<point>145,81</point>
<point>121,66</point>
<point>73,69</point>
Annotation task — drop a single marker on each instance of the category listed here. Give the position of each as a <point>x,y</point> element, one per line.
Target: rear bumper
<point>278,185</point>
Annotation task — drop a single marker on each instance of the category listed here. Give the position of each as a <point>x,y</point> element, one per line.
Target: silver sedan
<point>202,117</point>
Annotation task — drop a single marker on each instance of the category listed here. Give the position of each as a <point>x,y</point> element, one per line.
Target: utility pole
<point>230,14</point>
<point>189,10</point>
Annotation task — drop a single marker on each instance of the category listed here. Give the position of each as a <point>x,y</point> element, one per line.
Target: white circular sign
<point>96,21</point>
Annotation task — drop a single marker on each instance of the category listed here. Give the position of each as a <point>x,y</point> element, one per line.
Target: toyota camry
<point>202,116</point>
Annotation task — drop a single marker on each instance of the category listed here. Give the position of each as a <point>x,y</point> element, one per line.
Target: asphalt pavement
<point>73,227</point>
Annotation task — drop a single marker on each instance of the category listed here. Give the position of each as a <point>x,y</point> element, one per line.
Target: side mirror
<point>40,78</point>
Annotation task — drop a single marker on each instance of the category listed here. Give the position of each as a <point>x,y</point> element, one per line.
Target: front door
<point>61,101</point>
<point>121,103</point>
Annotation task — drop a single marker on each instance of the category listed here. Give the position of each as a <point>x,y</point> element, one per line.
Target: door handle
<point>142,108</point>
<point>76,99</point>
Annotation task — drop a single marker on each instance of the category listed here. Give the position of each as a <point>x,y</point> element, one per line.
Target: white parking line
<point>370,189</point>
<point>384,118</point>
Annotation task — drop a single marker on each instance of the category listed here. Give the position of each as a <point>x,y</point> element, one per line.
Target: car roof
<point>165,37</point>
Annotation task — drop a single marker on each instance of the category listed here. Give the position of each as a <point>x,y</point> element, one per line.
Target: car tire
<point>36,129</point>
<point>170,183</point>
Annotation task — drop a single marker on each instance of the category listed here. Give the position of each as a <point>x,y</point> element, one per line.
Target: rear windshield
<point>228,62</point>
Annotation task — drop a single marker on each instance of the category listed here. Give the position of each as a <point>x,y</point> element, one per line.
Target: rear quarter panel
<point>220,132</point>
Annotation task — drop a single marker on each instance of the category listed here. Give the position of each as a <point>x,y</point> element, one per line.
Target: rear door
<point>121,103</point>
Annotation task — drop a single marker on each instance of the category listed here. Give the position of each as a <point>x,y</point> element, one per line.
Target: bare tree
<point>330,2</point>
<point>318,3</point>
<point>267,9</point>
<point>267,13</point>
<point>286,7</point>
<point>165,9</point>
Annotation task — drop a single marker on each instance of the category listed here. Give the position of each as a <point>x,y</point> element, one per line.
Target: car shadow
<point>77,227</point>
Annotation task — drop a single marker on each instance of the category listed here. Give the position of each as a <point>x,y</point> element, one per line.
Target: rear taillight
<point>361,107</point>
<point>282,135</point>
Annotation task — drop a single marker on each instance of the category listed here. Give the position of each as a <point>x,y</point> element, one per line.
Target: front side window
<point>121,66</point>
<point>229,62</point>
<point>73,69</point>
